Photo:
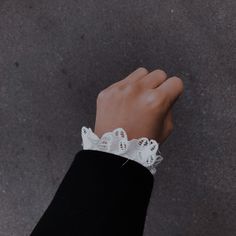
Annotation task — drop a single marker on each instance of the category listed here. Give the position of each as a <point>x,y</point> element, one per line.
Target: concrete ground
<point>55,56</point>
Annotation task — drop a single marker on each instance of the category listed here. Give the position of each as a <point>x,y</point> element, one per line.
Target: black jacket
<point>101,194</point>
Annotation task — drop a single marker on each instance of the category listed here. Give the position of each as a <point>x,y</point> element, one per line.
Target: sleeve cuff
<point>144,151</point>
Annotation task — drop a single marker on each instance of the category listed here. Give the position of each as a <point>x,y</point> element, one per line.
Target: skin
<point>141,104</point>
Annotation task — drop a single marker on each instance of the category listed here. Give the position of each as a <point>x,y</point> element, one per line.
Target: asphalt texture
<point>55,57</point>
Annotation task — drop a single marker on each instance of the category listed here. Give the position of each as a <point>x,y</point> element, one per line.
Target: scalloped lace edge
<point>142,150</point>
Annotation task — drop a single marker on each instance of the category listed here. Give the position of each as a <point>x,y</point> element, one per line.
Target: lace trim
<point>142,150</point>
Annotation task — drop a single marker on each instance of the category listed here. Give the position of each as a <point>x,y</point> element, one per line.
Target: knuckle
<point>161,102</point>
<point>125,88</point>
<point>101,95</point>
<point>155,103</point>
<point>107,94</point>
<point>150,99</point>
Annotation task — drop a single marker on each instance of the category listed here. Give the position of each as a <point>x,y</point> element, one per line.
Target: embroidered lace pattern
<point>142,150</point>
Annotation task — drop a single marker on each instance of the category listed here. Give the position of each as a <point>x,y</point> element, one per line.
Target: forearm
<point>101,194</point>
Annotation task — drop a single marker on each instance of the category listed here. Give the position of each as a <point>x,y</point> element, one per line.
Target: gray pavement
<point>55,56</point>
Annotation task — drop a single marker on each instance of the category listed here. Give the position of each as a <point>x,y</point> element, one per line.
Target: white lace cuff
<point>142,150</point>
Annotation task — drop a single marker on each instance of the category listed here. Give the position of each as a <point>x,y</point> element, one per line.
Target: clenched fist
<point>140,104</point>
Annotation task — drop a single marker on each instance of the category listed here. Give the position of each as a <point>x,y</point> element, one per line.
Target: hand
<point>140,104</point>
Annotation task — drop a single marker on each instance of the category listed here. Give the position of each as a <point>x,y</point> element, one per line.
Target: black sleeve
<point>101,194</point>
